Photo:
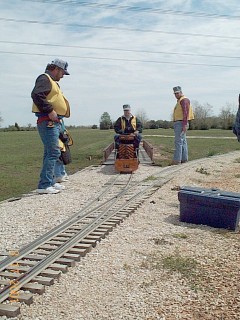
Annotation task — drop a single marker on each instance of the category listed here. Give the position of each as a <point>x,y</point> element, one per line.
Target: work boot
<point>174,162</point>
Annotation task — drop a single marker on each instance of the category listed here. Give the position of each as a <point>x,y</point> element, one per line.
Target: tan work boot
<point>174,162</point>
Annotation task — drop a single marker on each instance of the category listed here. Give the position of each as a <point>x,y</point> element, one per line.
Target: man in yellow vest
<point>128,124</point>
<point>50,106</point>
<point>182,114</point>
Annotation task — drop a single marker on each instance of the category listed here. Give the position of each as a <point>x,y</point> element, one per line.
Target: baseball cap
<point>61,64</point>
<point>177,89</point>
<point>126,107</point>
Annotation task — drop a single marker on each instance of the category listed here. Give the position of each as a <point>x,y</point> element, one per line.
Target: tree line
<point>203,114</point>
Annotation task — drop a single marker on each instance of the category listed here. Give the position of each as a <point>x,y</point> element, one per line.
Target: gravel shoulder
<point>151,266</point>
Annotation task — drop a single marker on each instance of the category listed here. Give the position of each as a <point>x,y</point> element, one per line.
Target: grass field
<point>21,153</point>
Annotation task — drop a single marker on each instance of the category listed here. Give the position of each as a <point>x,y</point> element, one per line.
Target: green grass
<point>184,265</point>
<point>180,235</point>
<point>187,267</point>
<point>21,157</point>
<point>197,133</point>
<point>21,153</point>
<point>197,147</point>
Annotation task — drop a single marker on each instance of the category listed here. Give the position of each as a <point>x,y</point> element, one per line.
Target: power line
<point>122,29</point>
<point>128,60</point>
<point>119,49</point>
<point>139,9</point>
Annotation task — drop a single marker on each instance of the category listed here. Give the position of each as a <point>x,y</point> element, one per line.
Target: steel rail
<point>58,229</point>
<point>35,270</point>
<point>57,253</point>
<point>75,218</point>
<point>100,219</point>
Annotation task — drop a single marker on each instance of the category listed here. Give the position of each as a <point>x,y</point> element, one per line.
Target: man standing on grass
<point>50,105</point>
<point>182,114</point>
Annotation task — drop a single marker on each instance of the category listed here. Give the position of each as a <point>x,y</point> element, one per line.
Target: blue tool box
<point>212,207</point>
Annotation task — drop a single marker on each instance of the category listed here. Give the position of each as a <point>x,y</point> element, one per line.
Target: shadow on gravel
<point>174,219</point>
<point>108,170</point>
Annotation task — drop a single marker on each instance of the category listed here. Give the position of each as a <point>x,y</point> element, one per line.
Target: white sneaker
<point>58,186</point>
<point>49,190</point>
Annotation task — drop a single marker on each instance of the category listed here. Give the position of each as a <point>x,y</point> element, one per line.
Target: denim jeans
<point>49,137</point>
<point>59,169</point>
<point>181,147</point>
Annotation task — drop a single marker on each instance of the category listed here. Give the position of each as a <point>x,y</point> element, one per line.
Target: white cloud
<point>96,85</point>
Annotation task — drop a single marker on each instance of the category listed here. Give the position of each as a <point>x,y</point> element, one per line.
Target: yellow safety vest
<point>178,114</point>
<point>133,123</point>
<point>56,99</point>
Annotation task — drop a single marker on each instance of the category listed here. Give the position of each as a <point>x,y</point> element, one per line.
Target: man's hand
<point>53,115</point>
<point>136,132</point>
<point>184,129</point>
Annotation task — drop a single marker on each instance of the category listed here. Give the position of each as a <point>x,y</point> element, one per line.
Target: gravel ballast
<point>152,266</point>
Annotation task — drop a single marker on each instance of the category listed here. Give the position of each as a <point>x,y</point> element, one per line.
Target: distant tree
<point>11,128</point>
<point>105,121</point>
<point>17,126</point>
<point>94,126</point>
<point>152,124</point>
<point>1,120</point>
<point>164,124</point>
<point>202,114</point>
<point>227,116</point>
<point>215,122</point>
<point>142,116</point>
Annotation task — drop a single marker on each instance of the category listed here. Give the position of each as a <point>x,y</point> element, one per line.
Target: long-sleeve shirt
<point>39,93</point>
<point>185,104</point>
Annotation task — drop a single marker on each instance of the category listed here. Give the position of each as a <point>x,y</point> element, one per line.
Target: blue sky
<point>120,52</point>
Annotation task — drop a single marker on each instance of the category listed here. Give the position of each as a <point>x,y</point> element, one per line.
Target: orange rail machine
<point>126,156</point>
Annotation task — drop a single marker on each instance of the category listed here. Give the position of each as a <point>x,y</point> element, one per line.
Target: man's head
<point>126,109</point>
<point>177,91</point>
<point>58,68</point>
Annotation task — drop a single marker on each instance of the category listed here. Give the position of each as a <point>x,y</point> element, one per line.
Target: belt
<point>45,118</point>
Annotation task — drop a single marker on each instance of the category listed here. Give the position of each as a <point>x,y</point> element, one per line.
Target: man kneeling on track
<point>129,125</point>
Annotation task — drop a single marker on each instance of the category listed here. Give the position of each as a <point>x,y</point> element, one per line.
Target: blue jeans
<point>59,169</point>
<point>49,137</point>
<point>181,147</point>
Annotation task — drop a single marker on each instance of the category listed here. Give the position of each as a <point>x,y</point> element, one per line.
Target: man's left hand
<point>184,129</point>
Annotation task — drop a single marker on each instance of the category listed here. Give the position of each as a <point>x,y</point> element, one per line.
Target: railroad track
<point>41,262</point>
<point>27,271</point>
